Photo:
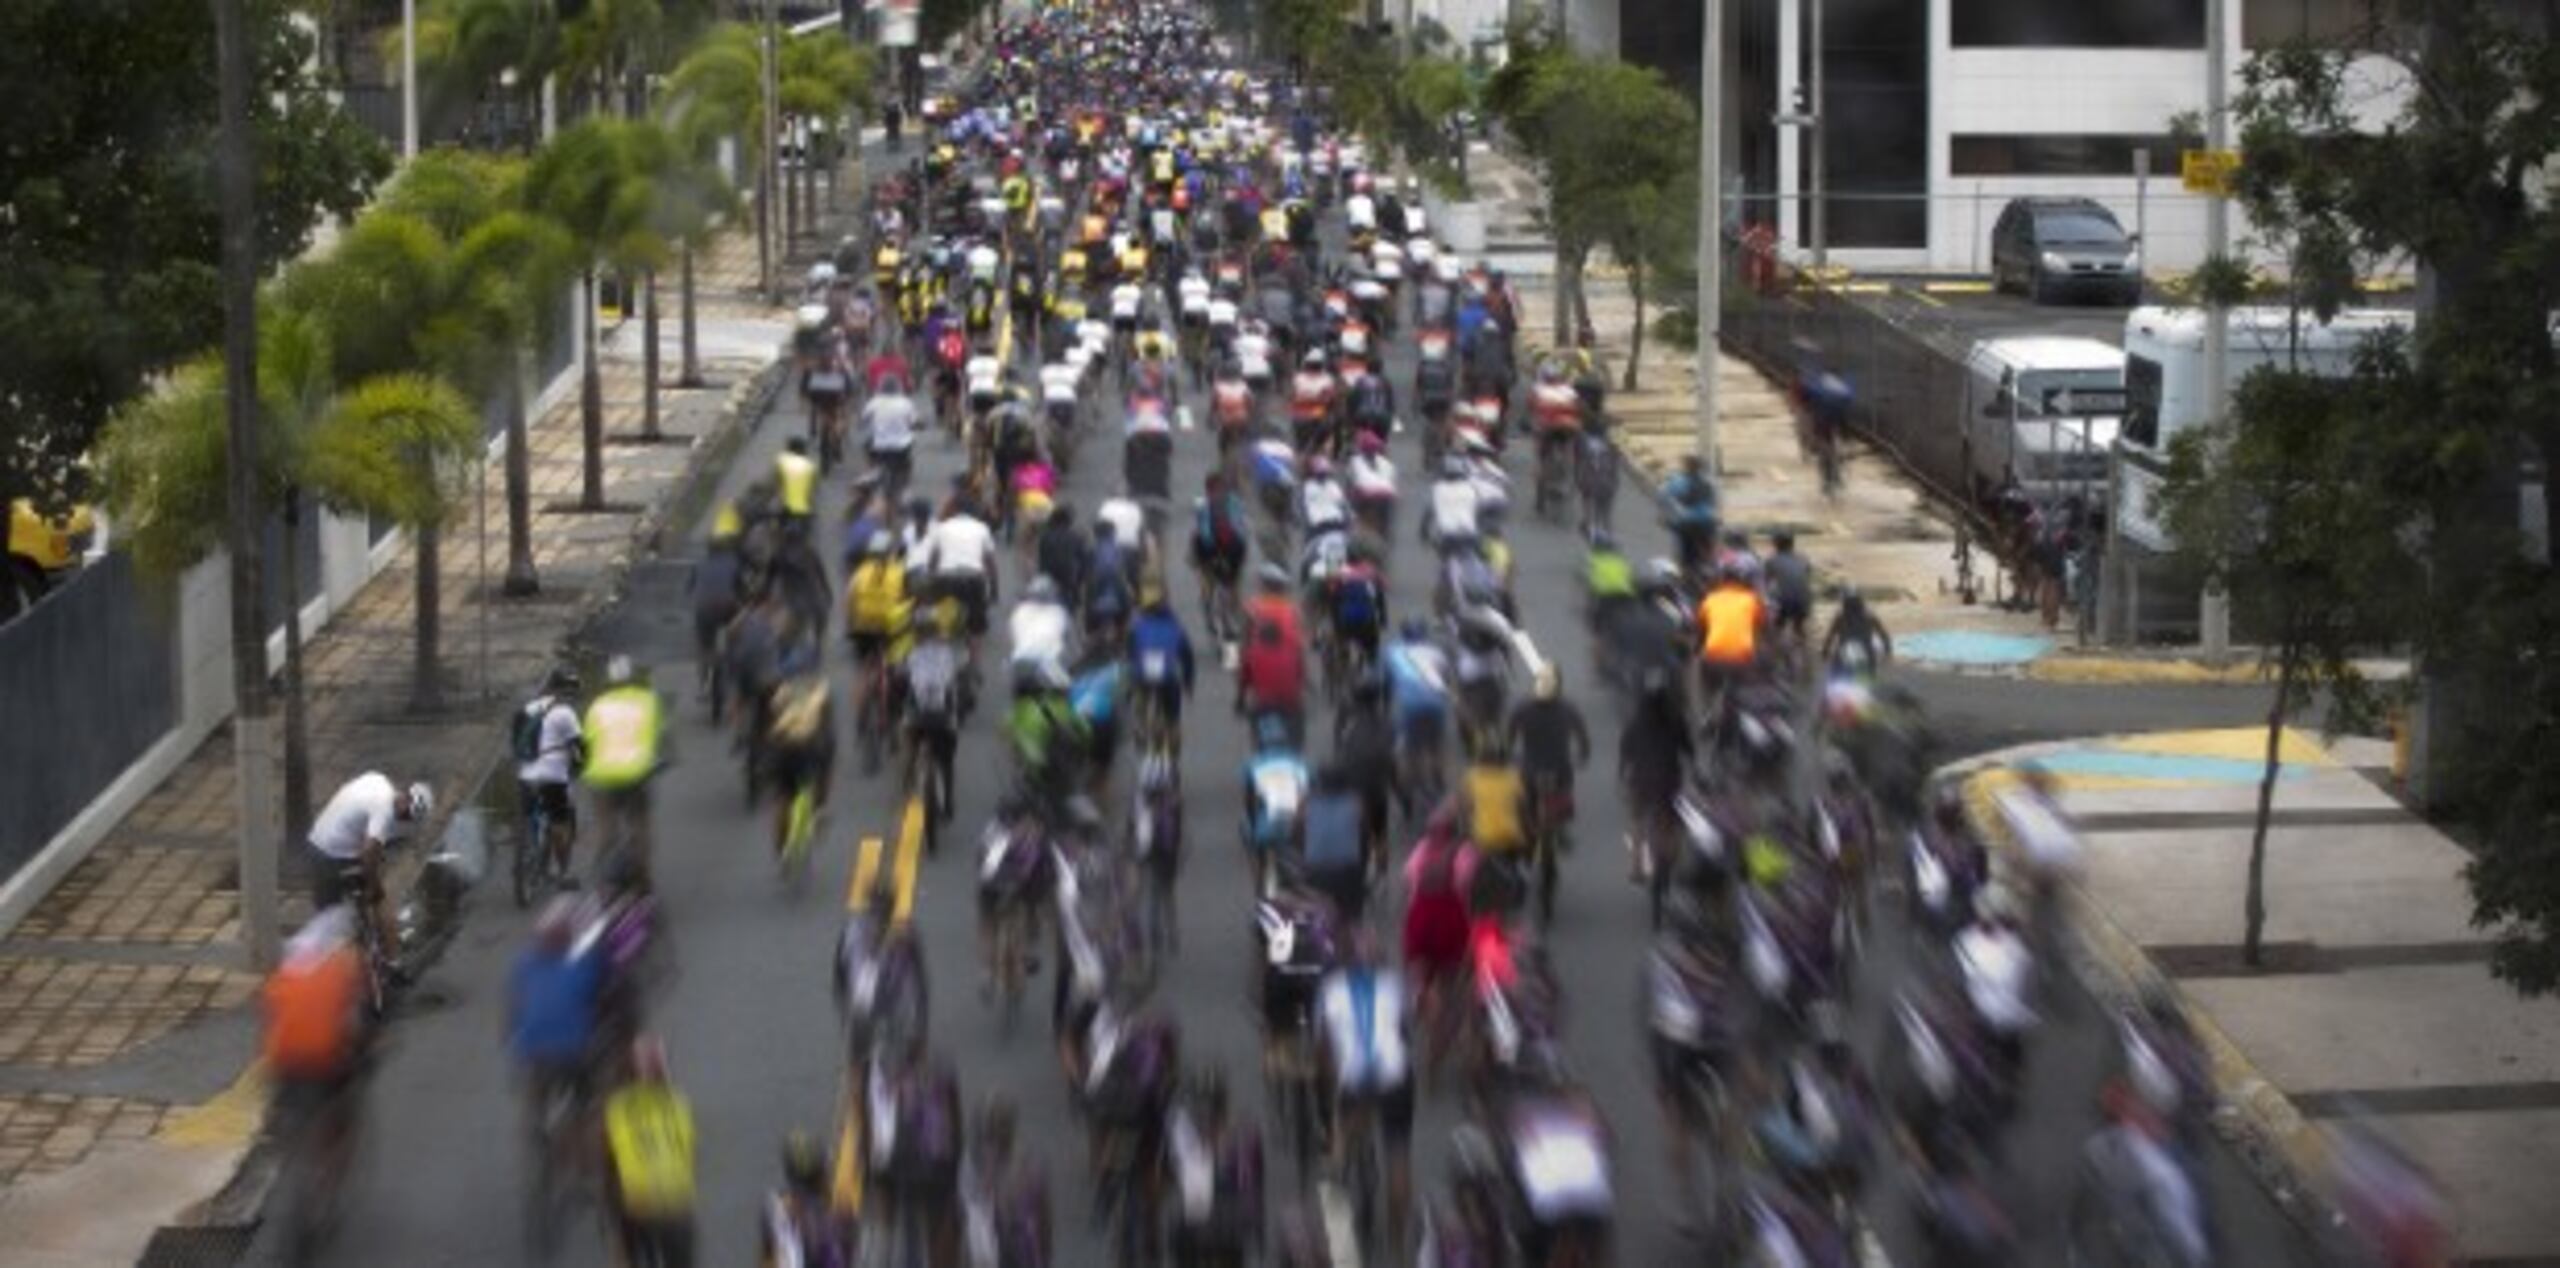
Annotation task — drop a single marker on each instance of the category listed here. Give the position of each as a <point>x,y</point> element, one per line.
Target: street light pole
<point>1710,225</point>
<point>2214,613</point>
<point>769,175</point>
<point>1815,106</point>
<point>408,79</point>
<point>253,727</point>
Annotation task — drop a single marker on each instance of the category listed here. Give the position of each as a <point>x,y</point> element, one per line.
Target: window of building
<point>2275,23</point>
<point>2078,23</point>
<point>2039,155</point>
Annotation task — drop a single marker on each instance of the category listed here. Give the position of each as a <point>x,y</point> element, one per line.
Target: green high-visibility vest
<point>623,727</point>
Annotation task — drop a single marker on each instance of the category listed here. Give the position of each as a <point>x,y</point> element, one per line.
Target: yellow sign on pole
<point>2208,171</point>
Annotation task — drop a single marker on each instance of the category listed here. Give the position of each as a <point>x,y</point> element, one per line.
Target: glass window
<point>2274,23</point>
<point>2142,402</point>
<point>2077,228</point>
<point>2078,23</point>
<point>2063,155</point>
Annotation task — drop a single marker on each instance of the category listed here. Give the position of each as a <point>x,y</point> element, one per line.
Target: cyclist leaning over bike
<point>800,1223</point>
<point>550,746</point>
<point>1004,1197</point>
<point>878,614</point>
<point>1419,686</point>
<point>1551,742</point>
<point>1219,536</point>
<point>348,841</point>
<point>798,745</point>
<point>1366,1060</point>
<point>314,1041</point>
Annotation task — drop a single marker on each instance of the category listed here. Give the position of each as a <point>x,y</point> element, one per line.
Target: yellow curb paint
<point>230,1118</point>
<point>2132,670</point>
<point>845,1189</point>
<point>910,853</point>
<point>1925,297</point>
<point>1956,288</point>
<point>1864,288</point>
<point>1992,781</point>
<point>2242,743</point>
<point>866,873</point>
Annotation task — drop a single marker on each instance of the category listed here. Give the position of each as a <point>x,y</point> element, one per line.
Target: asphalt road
<point>751,1026</point>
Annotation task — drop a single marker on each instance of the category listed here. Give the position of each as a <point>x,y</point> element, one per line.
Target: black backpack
<point>526,737</point>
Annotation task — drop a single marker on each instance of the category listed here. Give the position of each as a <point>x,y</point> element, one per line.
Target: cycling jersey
<point>648,1130</point>
<point>1361,1012</point>
<point>1275,786</point>
<point>1417,679</point>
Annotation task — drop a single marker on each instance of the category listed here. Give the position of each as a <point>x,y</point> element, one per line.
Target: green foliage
<point>598,181</point>
<point>111,241</point>
<point>1308,34</point>
<point>718,89</point>
<point>2455,184</point>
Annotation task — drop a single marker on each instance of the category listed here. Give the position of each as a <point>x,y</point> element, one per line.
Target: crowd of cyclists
<point>1115,236</point>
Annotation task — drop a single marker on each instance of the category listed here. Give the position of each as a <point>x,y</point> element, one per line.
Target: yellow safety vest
<point>649,1128</point>
<point>1493,798</point>
<point>796,474</point>
<point>622,727</point>
<point>725,523</point>
<point>1729,626</point>
<point>876,601</point>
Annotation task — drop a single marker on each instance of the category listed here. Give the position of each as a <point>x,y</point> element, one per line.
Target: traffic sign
<point>2207,171</point>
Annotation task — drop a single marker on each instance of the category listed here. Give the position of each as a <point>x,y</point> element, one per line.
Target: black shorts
<point>1792,614</point>
<point>867,646</point>
<point>788,766</point>
<point>1288,1002</point>
<point>971,591</point>
<point>1394,1107</point>
<point>552,799</point>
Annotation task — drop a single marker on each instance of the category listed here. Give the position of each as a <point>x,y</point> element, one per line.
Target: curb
<point>2280,1148</point>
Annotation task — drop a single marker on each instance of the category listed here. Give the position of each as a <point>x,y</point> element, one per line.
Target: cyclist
<point>795,483</point>
<point>960,557</point>
<point>889,435</point>
<point>1496,809</point>
<point>1370,403</point>
<point>1275,797</point>
<point>1731,618</point>
<point>1323,507</point>
<point>1335,842</point>
<point>361,822</point>
<point>878,613</point>
<point>1216,1169</point>
<point>1110,585</point>
<point>626,731</point>
<point>1373,484</point>
<point>1608,586</point>
<point>1004,1198</point>
<point>1218,539</point>
<point>554,1006</point>
<point>1790,584</point>
<point>801,1228</point>
<point>549,747</point>
<point>1689,507</point>
<point>1046,734</point>
<point>1161,663</point>
<point>1451,523</point>
<point>649,1142</point>
<point>798,745</point>
<point>1041,630</point>
<point>912,1120</point>
<point>1366,1057</point>
<point>1857,644</point>
<point>1418,679</point>
<point>315,1035</point>
<point>1271,670</point>
<point>936,691</point>
<point>1548,734</point>
<point>1654,750</point>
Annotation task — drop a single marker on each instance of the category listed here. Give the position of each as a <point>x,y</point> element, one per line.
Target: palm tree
<point>717,93</point>
<point>489,50</point>
<point>823,78</point>
<point>506,266</point>
<point>369,447</point>
<point>597,180</point>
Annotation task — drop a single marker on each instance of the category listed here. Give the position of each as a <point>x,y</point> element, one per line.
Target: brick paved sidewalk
<point>121,999</point>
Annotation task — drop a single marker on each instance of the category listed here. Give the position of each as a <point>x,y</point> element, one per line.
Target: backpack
<point>931,697</point>
<point>1355,601</point>
<point>1217,531</point>
<point>1107,592</point>
<point>311,1014</point>
<point>953,348</point>
<point>525,738</point>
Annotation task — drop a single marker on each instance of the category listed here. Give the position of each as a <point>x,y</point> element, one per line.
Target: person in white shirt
<point>1253,355</point>
<point>1373,481</point>
<point>366,816</point>
<point>1194,290</point>
<point>1127,519</point>
<point>1322,505</point>
<point>960,558</point>
<point>1221,312</point>
<point>550,745</point>
<point>983,259</point>
<point>1040,630</point>
<point>1452,520</point>
<point>1058,382</point>
<point>1125,301</point>
<point>1999,974</point>
<point>1360,212</point>
<point>889,429</point>
<point>986,381</point>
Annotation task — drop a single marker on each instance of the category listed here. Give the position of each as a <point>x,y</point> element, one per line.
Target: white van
<point>2041,412</point>
<point>2164,358</point>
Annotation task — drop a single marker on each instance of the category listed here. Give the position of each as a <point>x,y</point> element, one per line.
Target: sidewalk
<point>124,1034</point>
<point>2376,999</point>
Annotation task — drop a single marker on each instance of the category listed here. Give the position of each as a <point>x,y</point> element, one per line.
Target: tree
<point>111,240</point>
<point>1652,231</point>
<point>823,77</point>
<point>2456,183</point>
<point>1432,91</point>
<point>494,51</point>
<point>505,269</point>
<point>2267,502</point>
<point>367,448</point>
<point>597,181</point>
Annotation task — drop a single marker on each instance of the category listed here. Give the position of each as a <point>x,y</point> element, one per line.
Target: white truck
<point>2041,413</point>
<point>2164,358</point>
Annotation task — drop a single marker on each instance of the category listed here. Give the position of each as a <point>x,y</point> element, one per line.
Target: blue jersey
<point>1160,650</point>
<point>1095,695</point>
<point>1417,679</point>
<point>1275,788</point>
<point>552,1007</point>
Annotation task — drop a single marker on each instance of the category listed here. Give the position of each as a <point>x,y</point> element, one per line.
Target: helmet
<point>1041,590</point>
<point>1414,629</point>
<point>1453,468</point>
<point>1319,467</point>
<point>1271,731</point>
<point>1548,684</point>
<point>804,1162</point>
<point>562,679</point>
<point>619,670</point>
<point>1662,574</point>
<point>1371,442</point>
<point>880,543</point>
<point>649,1059</point>
<point>1273,577</point>
<point>422,802</point>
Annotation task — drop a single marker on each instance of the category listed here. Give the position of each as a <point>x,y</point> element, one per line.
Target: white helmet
<point>422,802</point>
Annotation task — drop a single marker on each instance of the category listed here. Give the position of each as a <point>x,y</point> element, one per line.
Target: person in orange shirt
<point>1731,619</point>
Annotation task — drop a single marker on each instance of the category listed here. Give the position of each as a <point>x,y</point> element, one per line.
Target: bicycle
<point>1418,768</point>
<point>1365,1169</point>
<point>1555,473</point>
<point>1550,835</point>
<point>875,720</point>
<point>319,1127</point>
<point>539,862</point>
<point>563,1118</point>
<point>1289,1089</point>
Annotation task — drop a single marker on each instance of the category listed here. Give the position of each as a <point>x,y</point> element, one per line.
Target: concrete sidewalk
<point>2376,999</point>
<point>125,1039</point>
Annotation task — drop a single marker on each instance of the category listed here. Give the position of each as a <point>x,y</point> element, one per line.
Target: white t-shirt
<point>366,809</point>
<point>1453,508</point>
<point>1562,1170</point>
<point>1373,474</point>
<point>1039,632</point>
<point>1127,519</point>
<point>1998,972</point>
<point>560,736</point>
<point>986,376</point>
<point>1195,295</point>
<point>890,422</point>
<point>1253,353</point>
<point>1094,333</point>
<point>1058,383</point>
<point>1381,1063</point>
<point>918,544</point>
<point>1222,313</point>
<point>1360,212</point>
<point>960,546</point>
<point>1125,299</point>
<point>1321,504</point>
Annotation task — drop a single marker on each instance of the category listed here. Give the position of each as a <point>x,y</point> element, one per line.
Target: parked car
<point>2050,249</point>
<point>2041,413</point>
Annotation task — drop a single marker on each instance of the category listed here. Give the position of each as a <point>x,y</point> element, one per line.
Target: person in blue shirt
<point>1275,792</point>
<point>1689,506</point>
<point>1160,659</point>
<point>1095,697</point>
<point>1418,678</point>
<point>553,1005</point>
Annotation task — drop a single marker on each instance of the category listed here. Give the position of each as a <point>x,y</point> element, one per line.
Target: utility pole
<point>769,172</point>
<point>408,79</point>
<point>2213,616</point>
<point>1820,230</point>
<point>253,738</point>
<point>1710,223</point>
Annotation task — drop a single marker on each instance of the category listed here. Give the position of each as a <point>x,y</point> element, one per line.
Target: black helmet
<point>804,1162</point>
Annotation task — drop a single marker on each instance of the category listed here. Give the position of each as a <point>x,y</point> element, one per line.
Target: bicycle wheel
<point>529,863</point>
